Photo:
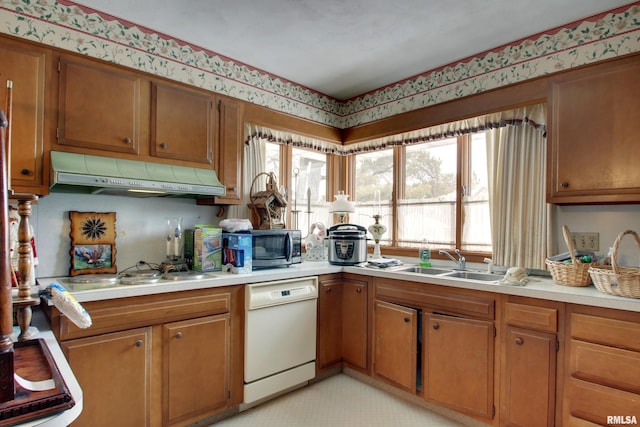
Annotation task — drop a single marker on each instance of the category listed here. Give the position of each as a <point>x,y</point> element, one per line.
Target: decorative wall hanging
<point>93,242</point>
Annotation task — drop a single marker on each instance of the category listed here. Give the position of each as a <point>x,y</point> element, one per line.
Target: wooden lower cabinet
<point>530,350</point>
<point>195,366</point>
<point>602,381</point>
<point>114,371</point>
<point>343,332</point>
<point>329,337</point>
<point>158,360</point>
<point>458,363</point>
<point>354,326</point>
<point>530,378</point>
<point>395,345</point>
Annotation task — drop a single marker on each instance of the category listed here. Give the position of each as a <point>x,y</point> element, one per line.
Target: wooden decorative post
<point>25,269</point>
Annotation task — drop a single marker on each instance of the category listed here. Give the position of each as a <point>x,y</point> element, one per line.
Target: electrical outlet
<point>588,241</point>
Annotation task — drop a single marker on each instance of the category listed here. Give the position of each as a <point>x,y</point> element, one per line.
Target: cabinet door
<point>195,366</point>
<point>530,378</point>
<point>25,67</point>
<point>354,318</point>
<point>329,339</point>
<point>99,107</point>
<point>114,371</point>
<point>459,356</point>
<point>595,123</point>
<point>182,124</point>
<point>395,344</point>
<point>230,150</point>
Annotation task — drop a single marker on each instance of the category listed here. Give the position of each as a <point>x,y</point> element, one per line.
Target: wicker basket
<point>615,280</point>
<point>575,273</point>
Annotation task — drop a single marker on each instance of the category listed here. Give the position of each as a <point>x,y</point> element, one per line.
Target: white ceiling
<point>344,48</point>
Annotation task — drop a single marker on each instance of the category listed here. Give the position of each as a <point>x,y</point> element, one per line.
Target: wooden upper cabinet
<point>182,124</point>
<point>230,150</point>
<point>100,107</point>
<point>594,126</point>
<point>25,66</point>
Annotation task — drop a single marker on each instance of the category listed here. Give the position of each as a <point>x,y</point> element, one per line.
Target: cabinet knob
<point>407,320</point>
<point>126,140</point>
<point>179,335</point>
<point>564,184</point>
<point>519,341</point>
<point>358,290</point>
<point>163,145</point>
<point>436,326</point>
<point>25,171</point>
<point>328,290</point>
<point>232,189</point>
<point>139,343</point>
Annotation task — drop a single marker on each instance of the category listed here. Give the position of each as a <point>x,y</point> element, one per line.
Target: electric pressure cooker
<point>347,244</point>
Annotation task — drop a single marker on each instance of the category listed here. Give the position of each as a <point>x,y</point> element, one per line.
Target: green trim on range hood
<point>86,174</point>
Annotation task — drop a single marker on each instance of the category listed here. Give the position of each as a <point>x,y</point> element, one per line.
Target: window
<point>309,184</point>
<point>436,191</point>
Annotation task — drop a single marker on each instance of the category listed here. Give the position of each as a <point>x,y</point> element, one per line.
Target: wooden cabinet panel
<point>613,332</point>
<point>595,403</point>
<point>458,363</point>
<point>604,365</point>
<point>25,66</point>
<point>531,317</point>
<point>329,339</point>
<point>529,393</point>
<point>182,124</point>
<point>595,123</point>
<point>395,345</point>
<point>230,150</point>
<point>114,371</point>
<point>99,107</point>
<point>195,366</point>
<point>354,328</point>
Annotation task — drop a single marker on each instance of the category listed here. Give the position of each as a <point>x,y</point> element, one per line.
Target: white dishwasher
<point>280,336</point>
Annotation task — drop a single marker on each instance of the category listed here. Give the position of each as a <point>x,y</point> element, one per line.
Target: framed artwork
<point>93,242</point>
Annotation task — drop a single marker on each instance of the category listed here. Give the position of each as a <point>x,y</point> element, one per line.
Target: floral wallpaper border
<point>66,25</point>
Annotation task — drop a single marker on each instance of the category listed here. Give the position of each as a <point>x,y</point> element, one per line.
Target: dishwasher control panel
<point>281,292</point>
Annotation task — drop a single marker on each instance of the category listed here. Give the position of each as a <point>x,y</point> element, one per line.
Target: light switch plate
<point>586,241</point>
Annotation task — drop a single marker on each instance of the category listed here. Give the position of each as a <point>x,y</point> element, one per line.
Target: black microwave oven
<point>276,248</point>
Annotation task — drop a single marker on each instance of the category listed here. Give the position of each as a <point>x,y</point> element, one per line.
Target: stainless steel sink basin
<point>425,270</point>
<point>473,275</point>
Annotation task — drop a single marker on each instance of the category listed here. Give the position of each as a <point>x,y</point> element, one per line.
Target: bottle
<point>425,254</point>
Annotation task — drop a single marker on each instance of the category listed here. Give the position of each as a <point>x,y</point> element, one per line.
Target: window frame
<point>463,178</point>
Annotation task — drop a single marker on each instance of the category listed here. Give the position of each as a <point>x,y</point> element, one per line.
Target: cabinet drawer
<point>410,294</point>
<point>131,314</point>
<point>609,366</point>
<point>596,403</point>
<point>531,317</point>
<point>616,333</point>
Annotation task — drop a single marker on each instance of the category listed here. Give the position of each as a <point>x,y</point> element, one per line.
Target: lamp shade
<point>342,204</point>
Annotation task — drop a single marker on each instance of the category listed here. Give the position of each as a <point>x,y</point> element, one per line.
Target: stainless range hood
<point>85,174</point>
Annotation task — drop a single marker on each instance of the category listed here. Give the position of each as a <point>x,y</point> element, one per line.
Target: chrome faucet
<point>462,263</point>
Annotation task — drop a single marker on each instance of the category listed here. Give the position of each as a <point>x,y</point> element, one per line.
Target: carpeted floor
<point>338,401</point>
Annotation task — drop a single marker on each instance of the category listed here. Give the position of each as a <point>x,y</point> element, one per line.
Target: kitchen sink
<point>425,270</point>
<point>474,275</point>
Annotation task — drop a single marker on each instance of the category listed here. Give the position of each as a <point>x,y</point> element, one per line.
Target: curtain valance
<point>532,115</point>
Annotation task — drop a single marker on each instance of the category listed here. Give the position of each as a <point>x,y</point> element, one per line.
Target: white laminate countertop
<point>540,287</point>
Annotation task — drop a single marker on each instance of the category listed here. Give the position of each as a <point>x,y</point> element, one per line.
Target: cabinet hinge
<point>57,133</point>
<point>59,66</point>
<point>219,105</point>
<point>495,332</point>
<point>229,394</point>
<point>493,411</point>
<point>557,345</point>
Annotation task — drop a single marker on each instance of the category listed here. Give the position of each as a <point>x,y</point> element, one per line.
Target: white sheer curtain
<point>254,164</point>
<point>516,157</point>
